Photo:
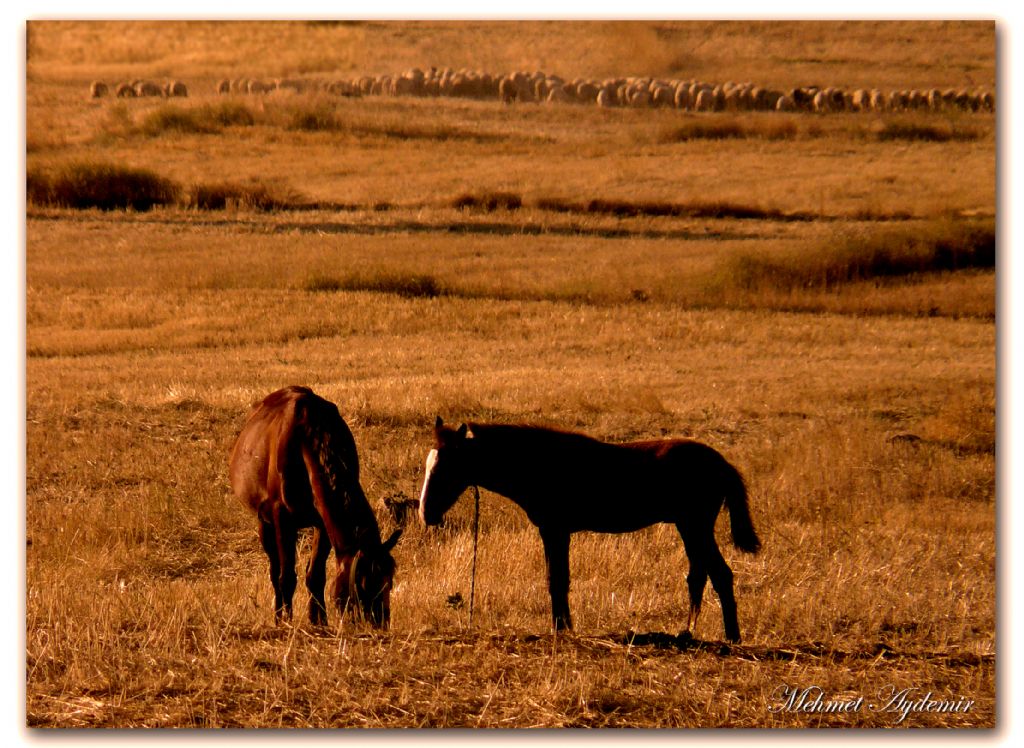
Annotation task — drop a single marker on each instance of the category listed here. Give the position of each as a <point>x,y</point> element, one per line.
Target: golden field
<point>807,293</point>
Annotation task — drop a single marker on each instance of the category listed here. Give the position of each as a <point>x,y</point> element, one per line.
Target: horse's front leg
<point>556,554</point>
<point>316,577</point>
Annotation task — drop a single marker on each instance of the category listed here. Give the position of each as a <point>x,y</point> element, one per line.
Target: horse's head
<point>366,579</point>
<point>446,472</point>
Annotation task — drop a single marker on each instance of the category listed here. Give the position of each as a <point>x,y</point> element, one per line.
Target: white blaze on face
<point>431,464</point>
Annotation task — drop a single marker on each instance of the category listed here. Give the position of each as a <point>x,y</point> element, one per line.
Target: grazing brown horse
<point>568,482</point>
<point>295,465</point>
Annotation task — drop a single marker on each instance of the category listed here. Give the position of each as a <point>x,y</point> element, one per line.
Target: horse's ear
<point>390,542</point>
<point>438,424</point>
<point>463,429</point>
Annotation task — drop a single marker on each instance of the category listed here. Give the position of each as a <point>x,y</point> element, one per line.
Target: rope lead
<point>476,535</point>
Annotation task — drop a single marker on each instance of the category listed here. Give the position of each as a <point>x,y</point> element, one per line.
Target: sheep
<point>718,98</point>
<point>663,96</point>
<point>829,100</point>
<point>705,101</point>
<point>640,97</point>
<point>731,100</point>
<point>803,97</point>
<point>98,89</point>
<point>772,99</point>
<point>860,100</point>
<point>745,97</point>
<point>682,99</point>
<point>224,86</point>
<point>524,86</point>
<point>757,97</point>
<point>488,86</point>
<point>837,100</point>
<point>507,90</point>
<point>342,88</point>
<point>125,91</point>
<point>465,85</point>
<point>259,87</point>
<point>587,91</point>
<point>606,97</point>
<point>542,88</point>
<point>559,94</point>
<point>876,100</point>
<point>408,85</point>
<point>785,103</point>
<point>177,88</point>
<point>148,88</point>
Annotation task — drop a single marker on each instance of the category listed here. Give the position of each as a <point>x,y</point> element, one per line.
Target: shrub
<point>906,251</point>
<point>176,119</point>
<point>489,201</point>
<point>318,116</point>
<point>202,120</point>
<point>320,283</point>
<point>254,195</point>
<point>229,114</point>
<point>100,185</point>
<point>409,286</point>
<point>915,129</point>
<point>774,127</point>
<point>707,129</point>
<point>695,209</point>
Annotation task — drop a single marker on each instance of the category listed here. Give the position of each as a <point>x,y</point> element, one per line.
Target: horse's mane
<point>328,437</point>
<point>516,434</point>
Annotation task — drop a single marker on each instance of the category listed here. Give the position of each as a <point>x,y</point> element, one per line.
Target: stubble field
<point>784,294</point>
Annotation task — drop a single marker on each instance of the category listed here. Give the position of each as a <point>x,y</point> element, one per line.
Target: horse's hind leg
<point>268,539</point>
<point>287,537</point>
<point>316,577</point>
<point>697,577</point>
<point>556,554</point>
<point>278,538</point>
<point>721,579</point>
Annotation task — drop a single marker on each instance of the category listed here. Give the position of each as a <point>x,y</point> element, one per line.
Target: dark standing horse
<point>569,482</point>
<point>295,465</point>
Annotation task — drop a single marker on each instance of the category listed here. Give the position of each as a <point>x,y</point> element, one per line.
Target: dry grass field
<point>811,294</point>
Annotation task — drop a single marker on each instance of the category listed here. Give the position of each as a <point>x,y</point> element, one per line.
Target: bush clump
<point>100,185</point>
<point>726,128</point>
<point>252,195</point>
<point>917,130</point>
<point>488,201</point>
<point>941,246</point>
<point>414,285</point>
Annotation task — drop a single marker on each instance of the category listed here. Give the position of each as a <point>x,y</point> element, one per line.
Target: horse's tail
<point>743,535</point>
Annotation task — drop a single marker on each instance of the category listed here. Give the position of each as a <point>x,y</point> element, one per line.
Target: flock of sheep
<point>690,95</point>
